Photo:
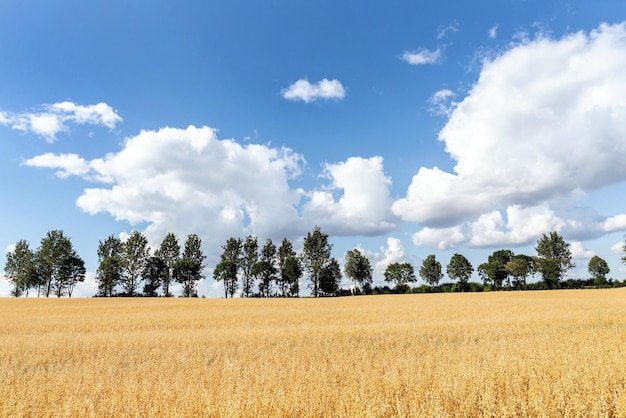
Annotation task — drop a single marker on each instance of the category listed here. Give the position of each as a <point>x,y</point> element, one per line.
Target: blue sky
<point>401,128</point>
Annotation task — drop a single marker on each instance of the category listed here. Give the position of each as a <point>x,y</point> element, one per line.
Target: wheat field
<point>549,353</point>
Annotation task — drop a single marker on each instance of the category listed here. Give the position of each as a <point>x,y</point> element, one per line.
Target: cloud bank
<point>543,126</point>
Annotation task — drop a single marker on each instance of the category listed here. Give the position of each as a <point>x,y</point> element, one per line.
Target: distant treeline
<point>129,268</point>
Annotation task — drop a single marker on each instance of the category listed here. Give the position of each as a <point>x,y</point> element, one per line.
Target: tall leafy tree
<point>227,269</point>
<point>155,273</point>
<point>315,256</point>
<point>401,274</point>
<point>55,247</point>
<point>135,251</point>
<point>359,269</point>
<point>520,267</point>
<point>188,271</point>
<point>329,278</point>
<point>248,261</point>
<point>459,269</point>
<point>169,252</point>
<point>430,271</point>
<point>554,259</point>
<point>598,268</point>
<point>109,273</point>
<point>19,268</point>
<point>265,269</point>
<point>289,270</point>
<point>494,271</point>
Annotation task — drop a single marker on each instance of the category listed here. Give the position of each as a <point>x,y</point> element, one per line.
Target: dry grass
<point>560,353</point>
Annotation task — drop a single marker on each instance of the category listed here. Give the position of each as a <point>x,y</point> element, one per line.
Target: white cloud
<point>363,207</point>
<point>54,118</point>
<point>444,29</point>
<point>493,31</point>
<point>442,102</point>
<point>579,252</point>
<point>617,248</point>
<point>422,56</point>
<point>392,252</point>
<point>307,92</point>
<point>542,126</point>
<point>69,164</point>
<point>440,238</point>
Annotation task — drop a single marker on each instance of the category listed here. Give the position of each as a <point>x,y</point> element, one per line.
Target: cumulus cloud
<point>422,56</point>
<point>364,206</point>
<point>440,238</point>
<point>392,252</point>
<point>543,125</point>
<point>617,248</point>
<point>441,103</point>
<point>307,92</point>
<point>54,118</point>
<point>579,252</point>
<point>188,180</point>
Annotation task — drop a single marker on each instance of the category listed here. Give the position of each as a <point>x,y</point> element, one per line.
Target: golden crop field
<point>549,353</point>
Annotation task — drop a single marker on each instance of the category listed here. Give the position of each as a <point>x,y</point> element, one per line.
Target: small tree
<point>329,278</point>
<point>430,271</point>
<point>554,259</point>
<point>289,270</point>
<point>598,268</point>
<point>265,269</point>
<point>19,268</point>
<point>188,270</point>
<point>401,274</point>
<point>109,273</point>
<point>228,267</point>
<point>359,269</point>
<point>494,271</point>
<point>459,269</point>
<point>315,256</point>
<point>169,252</point>
<point>134,253</point>
<point>155,273</point>
<point>249,259</point>
<point>520,267</point>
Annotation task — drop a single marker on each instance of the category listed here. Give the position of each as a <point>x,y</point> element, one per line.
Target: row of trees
<point>127,268</point>
<point>127,265</point>
<point>54,268</point>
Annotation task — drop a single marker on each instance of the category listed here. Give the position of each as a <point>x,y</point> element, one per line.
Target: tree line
<point>131,268</point>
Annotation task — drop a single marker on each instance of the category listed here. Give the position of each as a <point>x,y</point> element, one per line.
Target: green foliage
<point>248,261</point>
<point>430,271</point>
<point>494,271</point>
<point>459,269</point>
<point>329,278</point>
<point>598,268</point>
<point>358,268</point>
<point>289,270</point>
<point>109,273</point>
<point>228,267</point>
<point>265,269</point>
<point>155,273</point>
<point>400,274</point>
<point>133,256</point>
<point>553,260</point>
<point>169,252</point>
<point>58,266</point>
<point>19,268</point>
<point>520,267</point>
<point>315,256</point>
<point>188,270</point>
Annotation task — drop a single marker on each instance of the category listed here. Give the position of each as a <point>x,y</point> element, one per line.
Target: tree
<point>249,259</point>
<point>430,271</point>
<point>598,268</point>
<point>265,269</point>
<point>53,251</point>
<point>19,267</point>
<point>155,273</point>
<point>494,271</point>
<point>359,269</point>
<point>71,273</point>
<point>188,271</point>
<point>315,256</point>
<point>228,267</point>
<point>520,267</point>
<point>109,273</point>
<point>134,253</point>
<point>459,269</point>
<point>169,252</point>
<point>401,274</point>
<point>329,278</point>
<point>553,260</point>
<point>289,270</point>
